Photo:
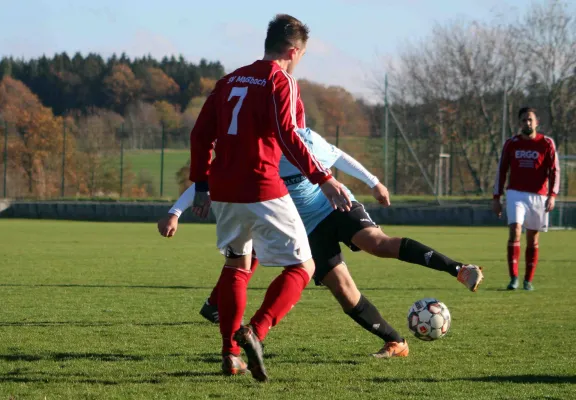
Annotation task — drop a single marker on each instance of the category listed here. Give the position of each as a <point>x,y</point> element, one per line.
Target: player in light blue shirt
<point>327,228</point>
<point>312,204</point>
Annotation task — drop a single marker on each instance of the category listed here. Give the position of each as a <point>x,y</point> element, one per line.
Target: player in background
<point>530,195</point>
<point>249,120</point>
<point>326,228</point>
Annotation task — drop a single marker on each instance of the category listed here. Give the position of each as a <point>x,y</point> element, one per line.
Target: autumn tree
<point>36,148</point>
<point>156,85</point>
<point>121,86</point>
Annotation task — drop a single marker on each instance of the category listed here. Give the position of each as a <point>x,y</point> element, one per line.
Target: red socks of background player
<point>513,257</point>
<point>230,293</point>
<point>531,260</point>
<point>282,294</point>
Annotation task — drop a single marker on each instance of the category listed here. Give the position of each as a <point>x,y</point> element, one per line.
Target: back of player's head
<point>285,31</point>
<point>525,110</point>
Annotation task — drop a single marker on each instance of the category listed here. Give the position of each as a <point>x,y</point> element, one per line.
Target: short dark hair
<point>284,31</point>
<point>525,110</point>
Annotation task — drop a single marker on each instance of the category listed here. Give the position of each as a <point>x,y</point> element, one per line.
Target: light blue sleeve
<point>326,153</point>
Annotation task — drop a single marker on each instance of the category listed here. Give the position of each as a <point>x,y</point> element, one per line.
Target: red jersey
<point>533,165</point>
<point>250,119</point>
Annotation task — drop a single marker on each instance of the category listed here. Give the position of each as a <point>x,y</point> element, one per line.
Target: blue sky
<point>349,38</point>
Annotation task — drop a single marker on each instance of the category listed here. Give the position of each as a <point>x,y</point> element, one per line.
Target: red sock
<point>213,299</point>
<point>282,294</point>
<point>513,257</point>
<point>231,305</point>
<point>531,262</point>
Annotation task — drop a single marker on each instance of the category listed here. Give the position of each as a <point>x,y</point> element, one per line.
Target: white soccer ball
<point>429,319</point>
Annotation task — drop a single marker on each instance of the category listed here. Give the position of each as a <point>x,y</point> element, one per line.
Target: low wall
<point>400,214</point>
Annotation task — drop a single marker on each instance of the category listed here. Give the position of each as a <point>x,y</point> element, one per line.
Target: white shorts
<point>527,209</point>
<point>272,227</point>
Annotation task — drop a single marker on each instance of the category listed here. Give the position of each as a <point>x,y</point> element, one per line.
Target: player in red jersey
<point>250,119</point>
<point>530,195</point>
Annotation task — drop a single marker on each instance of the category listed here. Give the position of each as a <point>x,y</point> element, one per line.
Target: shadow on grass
<point>207,358</point>
<point>536,379</point>
<point>97,323</point>
<point>71,356</point>
<point>209,288</point>
<point>23,376</point>
<point>104,286</point>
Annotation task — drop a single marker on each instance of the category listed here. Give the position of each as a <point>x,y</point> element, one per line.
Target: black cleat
<point>248,340</point>
<point>210,312</point>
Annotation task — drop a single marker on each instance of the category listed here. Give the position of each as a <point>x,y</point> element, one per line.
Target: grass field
<point>149,160</point>
<point>110,311</point>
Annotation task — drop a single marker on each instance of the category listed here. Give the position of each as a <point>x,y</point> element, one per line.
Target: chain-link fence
<point>91,162</point>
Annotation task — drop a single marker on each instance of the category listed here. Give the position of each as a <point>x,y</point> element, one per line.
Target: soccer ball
<point>429,319</point>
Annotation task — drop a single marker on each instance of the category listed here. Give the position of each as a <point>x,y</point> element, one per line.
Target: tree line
<point>454,93</point>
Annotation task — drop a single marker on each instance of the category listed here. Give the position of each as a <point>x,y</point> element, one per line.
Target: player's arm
<point>283,110</point>
<point>202,139</point>
<point>501,173</point>
<point>350,166</point>
<point>553,176</point>
<point>168,225</point>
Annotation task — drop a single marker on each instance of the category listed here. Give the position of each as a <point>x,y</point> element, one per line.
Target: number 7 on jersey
<point>236,92</point>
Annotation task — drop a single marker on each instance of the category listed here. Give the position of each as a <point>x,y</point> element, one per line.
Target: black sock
<point>416,253</point>
<point>367,316</point>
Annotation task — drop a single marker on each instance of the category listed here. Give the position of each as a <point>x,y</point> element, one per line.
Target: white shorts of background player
<point>527,209</point>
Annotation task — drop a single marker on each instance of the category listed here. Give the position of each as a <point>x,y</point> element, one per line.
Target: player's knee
<point>515,232</point>
<point>342,286</point>
<point>241,262</point>
<point>532,238</point>
<point>307,266</point>
<point>375,242</point>
<point>387,247</point>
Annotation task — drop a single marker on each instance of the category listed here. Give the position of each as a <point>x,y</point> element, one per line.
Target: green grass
<point>149,160</point>
<point>110,310</point>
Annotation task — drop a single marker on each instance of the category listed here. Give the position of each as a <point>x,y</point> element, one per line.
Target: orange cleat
<point>393,349</point>
<point>470,276</point>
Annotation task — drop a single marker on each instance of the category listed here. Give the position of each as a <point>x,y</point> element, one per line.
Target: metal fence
<point>97,164</point>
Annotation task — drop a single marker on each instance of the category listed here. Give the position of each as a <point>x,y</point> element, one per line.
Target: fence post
<point>122,135</point>
<point>504,113</point>
<point>5,158</point>
<point>396,163</point>
<point>386,130</point>
<point>337,145</point>
<point>63,158</point>
<point>162,161</point>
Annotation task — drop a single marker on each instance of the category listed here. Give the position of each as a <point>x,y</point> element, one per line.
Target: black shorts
<point>335,228</point>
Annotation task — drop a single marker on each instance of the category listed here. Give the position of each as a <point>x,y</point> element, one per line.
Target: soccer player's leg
<point>531,255</point>
<point>233,231</point>
<point>279,240</point>
<point>359,232</point>
<point>209,309</point>
<point>340,283</point>
<point>331,271</point>
<point>516,214</point>
<point>536,222</point>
